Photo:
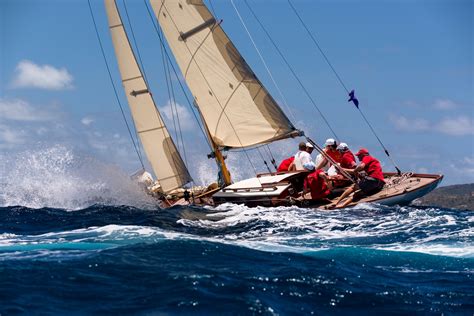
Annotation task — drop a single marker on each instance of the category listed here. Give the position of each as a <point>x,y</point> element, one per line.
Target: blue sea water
<point>86,240</point>
<point>236,260</point>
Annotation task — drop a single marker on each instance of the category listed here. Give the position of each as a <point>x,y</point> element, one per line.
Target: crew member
<point>330,148</point>
<point>315,183</point>
<point>302,158</point>
<point>285,164</point>
<point>347,162</point>
<point>370,183</point>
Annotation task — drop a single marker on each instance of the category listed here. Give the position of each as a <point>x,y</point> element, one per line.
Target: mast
<point>216,154</point>
<point>160,149</point>
<point>236,108</point>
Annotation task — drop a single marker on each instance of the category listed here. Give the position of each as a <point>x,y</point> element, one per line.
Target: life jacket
<point>373,168</point>
<point>285,164</point>
<point>316,185</point>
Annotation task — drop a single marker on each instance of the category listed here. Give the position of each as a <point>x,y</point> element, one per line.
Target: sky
<point>410,63</point>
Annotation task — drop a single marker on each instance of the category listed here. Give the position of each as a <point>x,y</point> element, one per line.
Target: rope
<point>342,84</point>
<point>264,63</point>
<point>113,86</point>
<point>147,84</point>
<point>176,74</point>
<point>264,161</point>
<point>273,158</point>
<point>213,93</point>
<point>292,71</point>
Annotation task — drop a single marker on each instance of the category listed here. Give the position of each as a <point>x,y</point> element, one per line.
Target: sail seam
<point>114,26</point>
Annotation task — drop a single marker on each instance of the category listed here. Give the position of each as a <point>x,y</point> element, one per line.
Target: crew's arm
<point>360,167</point>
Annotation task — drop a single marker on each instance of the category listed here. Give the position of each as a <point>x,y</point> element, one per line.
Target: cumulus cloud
<point>185,117</point>
<point>31,75</point>
<point>20,110</point>
<point>459,126</point>
<point>87,121</point>
<point>407,124</point>
<point>445,104</point>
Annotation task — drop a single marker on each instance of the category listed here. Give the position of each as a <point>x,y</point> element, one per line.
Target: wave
<point>431,231</point>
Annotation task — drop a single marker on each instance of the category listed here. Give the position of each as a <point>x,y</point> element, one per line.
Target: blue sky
<point>411,63</point>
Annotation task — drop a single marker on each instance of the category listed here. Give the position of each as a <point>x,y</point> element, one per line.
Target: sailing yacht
<point>236,111</point>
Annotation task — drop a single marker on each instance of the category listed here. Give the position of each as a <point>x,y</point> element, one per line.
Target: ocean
<point>106,259</point>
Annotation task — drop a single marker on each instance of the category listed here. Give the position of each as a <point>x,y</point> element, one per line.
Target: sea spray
<point>59,177</point>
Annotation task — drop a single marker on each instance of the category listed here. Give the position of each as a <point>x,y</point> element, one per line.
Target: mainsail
<point>160,149</point>
<point>238,110</point>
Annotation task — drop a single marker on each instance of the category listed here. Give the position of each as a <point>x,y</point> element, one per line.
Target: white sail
<point>237,109</point>
<point>160,149</point>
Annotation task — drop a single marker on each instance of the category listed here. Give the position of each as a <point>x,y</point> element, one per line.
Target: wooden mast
<point>217,153</point>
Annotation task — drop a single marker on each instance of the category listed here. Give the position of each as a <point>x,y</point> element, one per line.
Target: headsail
<point>237,109</point>
<point>160,149</point>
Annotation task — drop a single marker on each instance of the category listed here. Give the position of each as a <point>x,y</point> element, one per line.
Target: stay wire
<point>213,93</point>
<point>264,161</point>
<point>157,31</point>
<point>113,86</point>
<point>273,158</point>
<point>292,71</point>
<point>147,83</point>
<point>341,82</point>
<point>264,62</point>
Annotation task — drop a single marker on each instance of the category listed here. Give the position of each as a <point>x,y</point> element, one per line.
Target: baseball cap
<point>362,151</point>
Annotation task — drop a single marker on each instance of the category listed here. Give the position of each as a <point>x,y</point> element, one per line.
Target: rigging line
<point>291,69</point>
<point>317,45</point>
<point>341,82</point>
<point>264,63</point>
<point>213,93</point>
<point>177,113</point>
<point>113,86</point>
<point>166,136</point>
<point>176,75</point>
<point>169,92</point>
<point>273,158</point>
<point>212,8</point>
<point>264,161</point>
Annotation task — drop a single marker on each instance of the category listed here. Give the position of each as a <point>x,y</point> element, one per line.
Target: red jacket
<point>285,164</point>
<point>316,185</point>
<point>348,160</point>
<point>373,168</point>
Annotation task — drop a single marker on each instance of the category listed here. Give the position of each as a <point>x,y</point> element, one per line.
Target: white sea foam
<point>60,178</point>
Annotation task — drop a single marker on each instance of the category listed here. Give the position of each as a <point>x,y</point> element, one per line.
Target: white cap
<point>330,142</point>
<point>308,144</point>
<point>342,147</point>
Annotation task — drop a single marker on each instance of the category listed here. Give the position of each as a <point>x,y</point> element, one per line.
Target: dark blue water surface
<point>236,260</point>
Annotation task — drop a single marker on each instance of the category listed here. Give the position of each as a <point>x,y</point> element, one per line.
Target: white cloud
<point>10,136</point>
<point>459,126</point>
<point>185,117</point>
<point>445,104</point>
<point>19,110</point>
<point>407,124</point>
<point>87,121</point>
<point>29,74</point>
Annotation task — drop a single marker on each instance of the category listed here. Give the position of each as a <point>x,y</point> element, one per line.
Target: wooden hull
<point>283,189</point>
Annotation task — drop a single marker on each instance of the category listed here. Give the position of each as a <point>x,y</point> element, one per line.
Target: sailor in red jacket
<point>285,164</point>
<point>368,184</point>
<point>315,183</point>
